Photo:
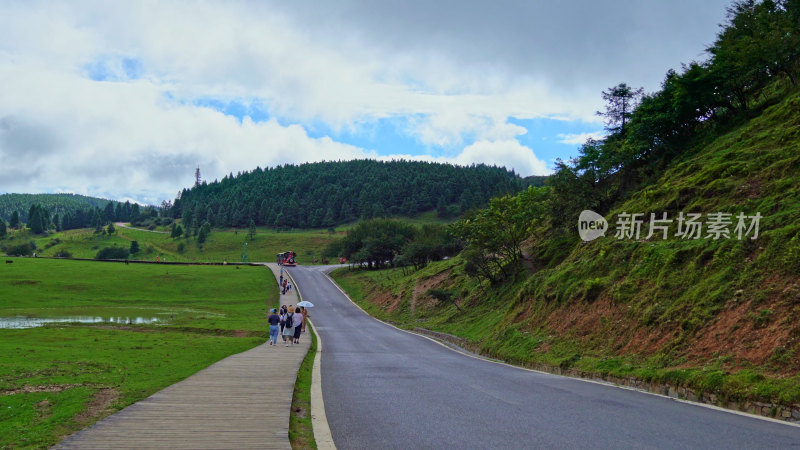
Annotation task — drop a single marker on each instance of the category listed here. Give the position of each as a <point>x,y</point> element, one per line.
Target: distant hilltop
<point>326,194</point>
<point>60,204</point>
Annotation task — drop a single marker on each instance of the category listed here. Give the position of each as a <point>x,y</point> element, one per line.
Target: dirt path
<point>122,225</point>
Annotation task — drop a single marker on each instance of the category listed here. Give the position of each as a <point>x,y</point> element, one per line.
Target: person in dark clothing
<point>274,323</point>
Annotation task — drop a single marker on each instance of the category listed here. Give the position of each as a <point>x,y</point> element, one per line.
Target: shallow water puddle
<point>32,322</point>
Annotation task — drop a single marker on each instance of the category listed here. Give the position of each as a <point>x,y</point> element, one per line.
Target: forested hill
<point>330,193</point>
<point>55,204</point>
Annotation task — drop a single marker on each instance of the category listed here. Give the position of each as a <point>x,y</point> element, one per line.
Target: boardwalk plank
<point>240,402</point>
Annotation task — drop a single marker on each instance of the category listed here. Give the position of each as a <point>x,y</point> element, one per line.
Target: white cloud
<point>580,138</point>
<point>504,153</point>
<point>140,135</point>
<point>509,153</point>
<point>84,141</point>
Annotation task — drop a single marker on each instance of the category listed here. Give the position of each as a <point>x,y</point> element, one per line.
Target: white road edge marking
<point>319,421</point>
<point>603,383</point>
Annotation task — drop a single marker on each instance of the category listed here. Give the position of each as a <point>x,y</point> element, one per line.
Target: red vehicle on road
<point>287,259</point>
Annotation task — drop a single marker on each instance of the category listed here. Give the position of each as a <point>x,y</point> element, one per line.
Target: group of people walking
<point>284,284</point>
<point>288,322</point>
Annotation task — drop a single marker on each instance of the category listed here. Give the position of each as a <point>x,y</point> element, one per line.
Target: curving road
<point>384,388</point>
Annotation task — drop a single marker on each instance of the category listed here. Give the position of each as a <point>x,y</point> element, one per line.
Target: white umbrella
<point>305,304</point>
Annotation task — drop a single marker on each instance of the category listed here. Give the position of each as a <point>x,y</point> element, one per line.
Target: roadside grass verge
<point>301,432</point>
<point>496,324</point>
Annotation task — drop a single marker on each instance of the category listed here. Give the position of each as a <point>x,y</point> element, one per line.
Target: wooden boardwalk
<point>240,402</point>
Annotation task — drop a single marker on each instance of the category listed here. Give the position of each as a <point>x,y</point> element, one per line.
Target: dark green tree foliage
<point>134,247</point>
<point>3,230</point>
<point>202,234</point>
<point>112,253</point>
<point>110,229</point>
<point>14,222</point>
<point>52,203</point>
<point>759,44</point>
<point>21,250</point>
<point>374,242</point>
<point>135,213</point>
<point>38,219</point>
<point>331,193</point>
<point>621,100</point>
<point>494,235</point>
<point>429,243</point>
<point>177,231</point>
<point>251,233</point>
<point>108,212</point>
<point>74,211</point>
<point>381,242</point>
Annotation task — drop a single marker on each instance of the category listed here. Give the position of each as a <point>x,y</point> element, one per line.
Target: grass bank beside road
<point>60,378</point>
<point>490,322</point>
<point>301,433</point>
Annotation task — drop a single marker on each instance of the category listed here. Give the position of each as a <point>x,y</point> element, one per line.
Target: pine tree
<point>110,229</point>
<point>202,235</point>
<point>109,211</point>
<point>14,220</point>
<point>134,247</point>
<point>441,208</point>
<point>36,220</point>
<point>2,228</point>
<point>252,229</point>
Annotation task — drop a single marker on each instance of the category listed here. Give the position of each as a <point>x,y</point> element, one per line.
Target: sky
<point>123,100</point>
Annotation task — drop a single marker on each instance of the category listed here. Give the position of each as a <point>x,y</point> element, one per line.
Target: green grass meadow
<point>54,379</point>
<point>222,245</point>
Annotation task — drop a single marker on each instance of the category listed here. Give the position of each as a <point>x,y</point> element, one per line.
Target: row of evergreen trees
<point>39,220</point>
<point>53,203</point>
<point>755,54</point>
<point>325,194</point>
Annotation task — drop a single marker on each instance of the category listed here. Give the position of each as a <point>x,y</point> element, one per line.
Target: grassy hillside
<point>719,316</point>
<point>222,245</point>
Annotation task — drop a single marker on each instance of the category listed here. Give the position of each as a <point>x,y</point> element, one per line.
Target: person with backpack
<point>282,313</point>
<point>288,328</point>
<point>274,322</point>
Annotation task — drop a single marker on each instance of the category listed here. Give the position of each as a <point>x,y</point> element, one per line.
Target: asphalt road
<point>386,389</point>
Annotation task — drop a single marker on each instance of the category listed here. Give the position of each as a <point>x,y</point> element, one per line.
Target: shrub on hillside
<point>20,250</point>
<point>112,253</point>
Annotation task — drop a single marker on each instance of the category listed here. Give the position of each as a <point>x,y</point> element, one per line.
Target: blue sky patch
<point>545,136</point>
<point>114,69</point>
<point>391,135</point>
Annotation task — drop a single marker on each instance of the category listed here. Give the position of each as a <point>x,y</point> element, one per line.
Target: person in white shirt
<point>299,321</point>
